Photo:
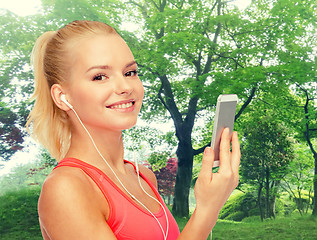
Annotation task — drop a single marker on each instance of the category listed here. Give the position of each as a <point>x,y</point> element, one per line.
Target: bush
<point>289,205</point>
<point>239,206</point>
<point>252,219</point>
<point>236,216</point>
<point>25,176</point>
<point>18,214</point>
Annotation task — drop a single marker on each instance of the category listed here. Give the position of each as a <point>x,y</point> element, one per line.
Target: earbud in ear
<point>63,99</point>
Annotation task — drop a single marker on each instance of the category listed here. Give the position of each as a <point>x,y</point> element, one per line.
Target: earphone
<point>165,234</point>
<point>63,99</point>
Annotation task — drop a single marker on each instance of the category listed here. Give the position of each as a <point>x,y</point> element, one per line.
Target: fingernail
<point>207,149</point>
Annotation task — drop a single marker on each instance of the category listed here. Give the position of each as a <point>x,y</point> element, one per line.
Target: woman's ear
<point>56,93</point>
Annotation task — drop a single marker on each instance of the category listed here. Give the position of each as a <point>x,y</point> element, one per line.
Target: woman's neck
<point>108,143</point>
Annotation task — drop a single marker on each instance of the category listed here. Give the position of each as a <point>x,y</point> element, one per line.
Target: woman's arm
<point>68,208</point>
<point>213,189</point>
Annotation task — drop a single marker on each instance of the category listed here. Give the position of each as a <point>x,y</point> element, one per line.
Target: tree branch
<point>169,99</point>
<point>159,94</point>
<point>142,8</point>
<point>192,110</point>
<point>246,103</point>
<point>306,133</point>
<point>252,94</point>
<point>236,61</point>
<point>155,5</point>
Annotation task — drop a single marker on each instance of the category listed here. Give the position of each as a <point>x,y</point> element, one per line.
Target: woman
<point>86,92</point>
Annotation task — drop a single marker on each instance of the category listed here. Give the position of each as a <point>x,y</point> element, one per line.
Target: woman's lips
<point>123,105</point>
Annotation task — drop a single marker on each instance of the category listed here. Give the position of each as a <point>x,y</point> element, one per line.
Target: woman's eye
<point>100,77</point>
<point>131,73</point>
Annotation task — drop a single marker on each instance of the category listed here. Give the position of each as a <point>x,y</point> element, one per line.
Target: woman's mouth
<point>124,105</point>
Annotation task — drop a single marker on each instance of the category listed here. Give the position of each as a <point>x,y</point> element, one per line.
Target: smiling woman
<point>22,7</point>
<point>87,91</point>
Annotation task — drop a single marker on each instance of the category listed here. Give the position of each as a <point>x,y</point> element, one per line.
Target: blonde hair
<point>49,57</point>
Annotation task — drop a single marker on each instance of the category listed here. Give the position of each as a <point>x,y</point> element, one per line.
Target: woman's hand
<point>213,189</point>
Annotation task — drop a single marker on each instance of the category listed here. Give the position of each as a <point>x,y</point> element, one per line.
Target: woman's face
<point>104,88</point>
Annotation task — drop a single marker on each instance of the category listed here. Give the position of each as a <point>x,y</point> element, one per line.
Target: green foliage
<point>267,151</point>
<point>30,175</point>
<point>239,206</point>
<point>294,227</point>
<point>236,216</point>
<point>299,181</point>
<point>11,136</point>
<point>266,146</point>
<point>188,53</point>
<point>18,214</point>
<point>158,160</point>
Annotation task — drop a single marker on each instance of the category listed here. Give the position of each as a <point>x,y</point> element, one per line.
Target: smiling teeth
<point>122,106</point>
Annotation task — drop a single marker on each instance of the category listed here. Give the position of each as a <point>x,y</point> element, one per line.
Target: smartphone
<point>224,118</point>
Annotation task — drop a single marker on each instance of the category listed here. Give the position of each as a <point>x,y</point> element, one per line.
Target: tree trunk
<point>272,206</point>
<point>315,188</point>
<point>267,194</point>
<point>260,202</point>
<point>310,144</point>
<point>183,180</point>
<point>307,136</point>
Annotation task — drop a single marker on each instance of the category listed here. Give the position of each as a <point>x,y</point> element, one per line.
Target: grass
<point>292,227</point>
<point>295,227</point>
<point>19,220</point>
<point>18,215</point>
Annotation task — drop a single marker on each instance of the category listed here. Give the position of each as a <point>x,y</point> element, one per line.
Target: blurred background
<point>188,52</point>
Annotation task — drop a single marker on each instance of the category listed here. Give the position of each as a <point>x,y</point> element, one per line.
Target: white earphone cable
<point>138,173</point>
<point>137,170</point>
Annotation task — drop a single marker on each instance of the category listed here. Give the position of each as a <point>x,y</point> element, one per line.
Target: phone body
<point>224,118</point>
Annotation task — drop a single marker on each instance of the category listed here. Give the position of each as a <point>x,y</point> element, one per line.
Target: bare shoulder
<point>61,185</point>
<point>148,173</point>
<point>63,177</point>
<point>68,208</point>
<point>61,189</point>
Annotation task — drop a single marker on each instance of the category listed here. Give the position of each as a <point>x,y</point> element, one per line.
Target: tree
<point>299,181</point>
<point>11,135</point>
<point>14,80</point>
<point>191,51</point>
<point>309,128</point>
<point>267,152</point>
<point>165,177</point>
<point>188,52</point>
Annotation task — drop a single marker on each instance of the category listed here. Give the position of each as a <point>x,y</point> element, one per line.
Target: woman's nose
<point>122,86</point>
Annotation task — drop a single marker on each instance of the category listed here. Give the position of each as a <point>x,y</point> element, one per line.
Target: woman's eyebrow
<point>99,67</point>
<point>131,63</point>
<point>108,67</point>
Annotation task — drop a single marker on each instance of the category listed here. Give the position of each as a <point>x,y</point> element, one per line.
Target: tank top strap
<point>94,173</point>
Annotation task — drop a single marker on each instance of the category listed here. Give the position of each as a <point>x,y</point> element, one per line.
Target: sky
<point>21,7</point>
<point>29,7</point>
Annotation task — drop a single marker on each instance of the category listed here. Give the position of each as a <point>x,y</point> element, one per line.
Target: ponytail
<point>49,124</point>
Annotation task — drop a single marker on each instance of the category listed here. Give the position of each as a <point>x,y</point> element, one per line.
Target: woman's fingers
<point>224,149</point>
<point>236,154</point>
<point>207,163</point>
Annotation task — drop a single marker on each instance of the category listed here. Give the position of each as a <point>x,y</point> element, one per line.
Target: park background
<point>188,52</point>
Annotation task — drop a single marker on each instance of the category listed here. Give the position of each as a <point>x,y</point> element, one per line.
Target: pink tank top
<point>127,219</point>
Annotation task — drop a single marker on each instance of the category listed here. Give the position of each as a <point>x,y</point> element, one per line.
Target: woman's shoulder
<point>67,190</point>
<point>63,183</point>
<point>64,177</point>
<point>70,204</point>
